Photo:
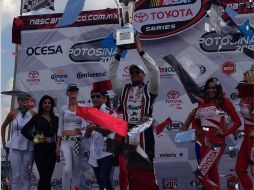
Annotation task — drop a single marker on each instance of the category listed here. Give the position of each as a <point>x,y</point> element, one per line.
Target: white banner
<point>49,60</point>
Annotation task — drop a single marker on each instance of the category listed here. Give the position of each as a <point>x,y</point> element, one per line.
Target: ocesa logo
<point>44,50</point>
<point>165,18</point>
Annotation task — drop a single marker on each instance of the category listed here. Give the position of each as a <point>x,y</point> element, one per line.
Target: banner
<point>50,59</point>
<point>49,21</point>
<point>30,5</point>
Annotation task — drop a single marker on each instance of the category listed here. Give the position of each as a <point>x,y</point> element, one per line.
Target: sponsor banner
<point>156,19</point>
<point>49,21</point>
<point>240,6</point>
<point>212,42</point>
<point>165,19</point>
<point>208,160</point>
<point>49,60</point>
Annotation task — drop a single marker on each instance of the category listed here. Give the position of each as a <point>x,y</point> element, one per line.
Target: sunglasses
<point>96,96</point>
<point>137,72</point>
<point>23,98</point>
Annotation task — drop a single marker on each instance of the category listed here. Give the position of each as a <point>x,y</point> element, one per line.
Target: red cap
<point>102,86</point>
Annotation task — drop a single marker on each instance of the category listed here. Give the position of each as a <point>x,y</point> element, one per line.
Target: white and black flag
<point>31,5</point>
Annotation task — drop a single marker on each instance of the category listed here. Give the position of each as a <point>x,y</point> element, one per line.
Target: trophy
<point>125,35</point>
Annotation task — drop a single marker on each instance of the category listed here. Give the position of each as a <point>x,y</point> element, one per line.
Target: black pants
<point>103,172</point>
<point>45,159</point>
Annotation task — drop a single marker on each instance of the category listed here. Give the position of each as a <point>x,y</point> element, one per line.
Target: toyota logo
<point>173,94</point>
<point>141,17</point>
<point>33,74</point>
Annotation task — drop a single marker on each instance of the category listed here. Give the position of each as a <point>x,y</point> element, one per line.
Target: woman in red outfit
<point>209,119</point>
<point>246,153</point>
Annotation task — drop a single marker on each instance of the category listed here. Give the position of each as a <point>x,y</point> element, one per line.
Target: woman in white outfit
<point>68,140</point>
<point>101,161</point>
<point>20,148</point>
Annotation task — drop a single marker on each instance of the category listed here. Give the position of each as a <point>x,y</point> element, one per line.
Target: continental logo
<point>81,75</point>
<point>212,42</point>
<point>156,19</point>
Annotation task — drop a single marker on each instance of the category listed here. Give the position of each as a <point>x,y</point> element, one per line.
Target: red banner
<point>49,21</point>
<point>159,128</point>
<point>104,120</point>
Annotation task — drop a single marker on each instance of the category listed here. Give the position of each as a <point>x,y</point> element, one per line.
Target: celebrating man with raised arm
<point>137,99</point>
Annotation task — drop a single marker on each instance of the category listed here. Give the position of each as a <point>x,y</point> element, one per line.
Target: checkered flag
<point>77,146</point>
<point>30,5</point>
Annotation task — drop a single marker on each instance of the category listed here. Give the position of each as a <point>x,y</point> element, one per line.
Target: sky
<point>10,9</point>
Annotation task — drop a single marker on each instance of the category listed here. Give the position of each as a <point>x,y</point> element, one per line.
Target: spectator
<point>101,161</point>
<point>68,140</point>
<point>45,125</point>
<point>20,149</point>
<point>244,158</point>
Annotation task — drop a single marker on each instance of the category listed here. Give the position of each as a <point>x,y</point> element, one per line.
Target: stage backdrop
<point>51,58</point>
